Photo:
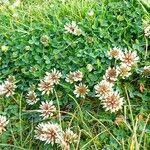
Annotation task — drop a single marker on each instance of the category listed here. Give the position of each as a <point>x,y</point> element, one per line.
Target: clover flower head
<point>45,87</point>
<point>129,58</point>
<point>115,53</point>
<point>31,98</point>
<point>124,70</point>
<point>72,28</point>
<point>49,133</point>
<point>113,102</point>
<point>3,123</point>
<point>53,77</point>
<point>47,109</point>
<point>81,90</point>
<point>103,89</point>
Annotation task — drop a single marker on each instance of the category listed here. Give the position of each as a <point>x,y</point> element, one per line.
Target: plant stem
<point>146,48</point>
<point>58,105</point>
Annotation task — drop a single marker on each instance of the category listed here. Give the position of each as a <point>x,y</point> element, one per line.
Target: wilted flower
<point>53,77</point>
<point>44,40</point>
<point>91,13</point>
<point>129,58</point>
<point>9,88</point>
<point>113,102</point>
<point>103,89</point>
<point>70,77</point>
<point>73,28</point>
<point>68,137</point>
<point>115,53</point>
<point>78,75</point>
<point>142,87</point>
<point>119,119</point>
<point>11,79</point>
<point>89,67</point>
<point>140,117</point>
<point>81,90</point>
<point>48,132</point>
<point>146,70</point>
<point>45,87</point>
<point>147,31</point>
<point>47,109</point>
<point>3,123</point>
<point>124,70</point>
<point>111,74</point>
<point>31,98</point>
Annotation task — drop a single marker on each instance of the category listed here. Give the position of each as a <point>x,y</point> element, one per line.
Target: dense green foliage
<point>114,23</point>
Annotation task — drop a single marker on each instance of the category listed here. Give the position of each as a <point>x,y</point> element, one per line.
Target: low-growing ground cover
<point>74,74</point>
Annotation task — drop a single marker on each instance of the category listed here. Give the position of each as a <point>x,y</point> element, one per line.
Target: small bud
<point>119,119</point>
<point>91,13</point>
<point>89,67</point>
<point>120,18</point>
<point>4,48</point>
<point>44,40</point>
<point>27,48</point>
<point>90,39</point>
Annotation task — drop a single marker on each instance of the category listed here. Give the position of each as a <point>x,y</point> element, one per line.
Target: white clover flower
<point>9,88</point>
<point>89,67</point>
<point>78,76</point>
<point>81,90</point>
<point>70,77</point>
<point>73,28</point>
<point>129,57</point>
<point>45,87</point>
<point>3,123</point>
<point>111,75</point>
<point>124,70</point>
<point>113,102</point>
<point>53,77</point>
<point>74,76</point>
<point>147,31</point>
<point>103,89</point>
<point>49,133</point>
<point>31,98</point>
<point>115,53</point>
<point>47,109</point>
